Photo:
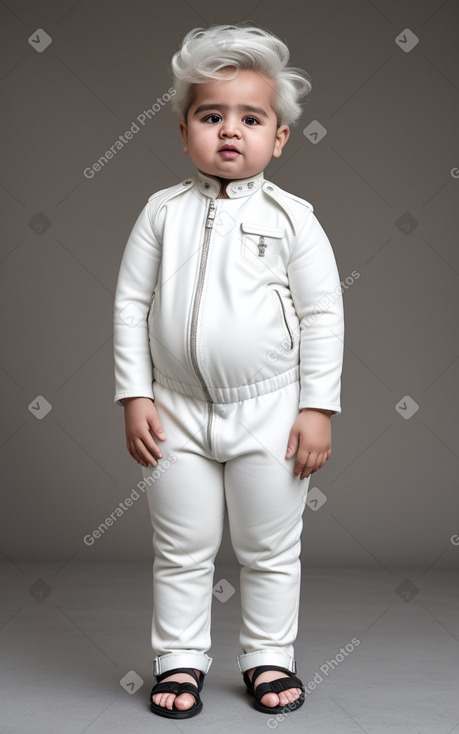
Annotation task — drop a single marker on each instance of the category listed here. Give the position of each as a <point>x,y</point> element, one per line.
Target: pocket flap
<point>264,230</point>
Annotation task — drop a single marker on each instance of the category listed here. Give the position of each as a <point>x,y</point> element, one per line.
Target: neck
<point>223,184</point>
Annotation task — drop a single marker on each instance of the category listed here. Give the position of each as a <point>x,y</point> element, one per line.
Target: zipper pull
<point>261,246</point>
<point>210,214</point>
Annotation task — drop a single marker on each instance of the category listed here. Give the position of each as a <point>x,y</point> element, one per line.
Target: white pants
<point>246,472</point>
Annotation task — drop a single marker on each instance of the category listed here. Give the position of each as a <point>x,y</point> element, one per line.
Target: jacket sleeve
<point>317,296</point>
<point>137,280</point>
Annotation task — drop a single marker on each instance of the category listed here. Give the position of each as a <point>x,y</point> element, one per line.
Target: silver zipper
<point>285,318</point>
<point>149,313</point>
<point>194,317</point>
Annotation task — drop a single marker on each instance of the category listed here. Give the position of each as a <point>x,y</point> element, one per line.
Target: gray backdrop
<point>384,181</point>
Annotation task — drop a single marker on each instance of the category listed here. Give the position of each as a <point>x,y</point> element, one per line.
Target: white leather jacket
<point>227,299</point>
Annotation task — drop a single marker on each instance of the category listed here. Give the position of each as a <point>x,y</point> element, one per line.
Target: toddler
<point>228,338</point>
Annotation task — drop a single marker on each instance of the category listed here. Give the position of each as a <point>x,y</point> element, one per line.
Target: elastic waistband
<point>230,394</point>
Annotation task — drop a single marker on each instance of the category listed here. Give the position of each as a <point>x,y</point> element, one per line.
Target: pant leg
<point>265,504</point>
<point>187,509</point>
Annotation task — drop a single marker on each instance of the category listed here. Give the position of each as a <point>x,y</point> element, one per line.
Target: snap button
<point>270,188</point>
<point>187,182</point>
<point>207,186</point>
<point>250,184</point>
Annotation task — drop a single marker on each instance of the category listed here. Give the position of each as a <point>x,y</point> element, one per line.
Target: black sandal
<point>274,686</point>
<point>173,686</point>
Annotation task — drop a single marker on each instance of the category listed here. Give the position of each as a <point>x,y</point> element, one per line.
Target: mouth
<point>229,151</point>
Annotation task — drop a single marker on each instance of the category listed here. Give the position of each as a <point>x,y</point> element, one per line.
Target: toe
<point>284,699</point>
<point>167,700</point>
<point>289,695</point>
<point>270,699</point>
<point>184,701</point>
<point>170,700</point>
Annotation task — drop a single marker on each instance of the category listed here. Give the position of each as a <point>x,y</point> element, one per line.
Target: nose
<point>230,129</point>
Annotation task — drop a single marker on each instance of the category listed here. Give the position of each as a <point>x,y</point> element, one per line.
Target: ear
<point>184,131</point>
<point>282,135</point>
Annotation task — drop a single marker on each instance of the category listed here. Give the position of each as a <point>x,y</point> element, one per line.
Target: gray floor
<point>69,636</point>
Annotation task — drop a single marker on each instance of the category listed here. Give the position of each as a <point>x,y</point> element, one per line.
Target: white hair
<point>205,52</point>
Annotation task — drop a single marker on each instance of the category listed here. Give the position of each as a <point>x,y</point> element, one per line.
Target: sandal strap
<point>263,668</point>
<point>173,671</point>
<point>277,685</point>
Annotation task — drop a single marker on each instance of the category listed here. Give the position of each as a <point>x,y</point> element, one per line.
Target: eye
<point>213,118</point>
<point>251,121</point>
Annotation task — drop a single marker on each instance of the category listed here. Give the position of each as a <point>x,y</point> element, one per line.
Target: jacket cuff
<point>335,408</point>
<point>120,396</point>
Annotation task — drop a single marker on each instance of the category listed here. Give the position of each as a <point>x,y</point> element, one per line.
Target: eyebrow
<point>240,107</point>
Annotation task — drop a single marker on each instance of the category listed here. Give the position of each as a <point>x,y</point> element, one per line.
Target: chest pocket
<point>260,245</point>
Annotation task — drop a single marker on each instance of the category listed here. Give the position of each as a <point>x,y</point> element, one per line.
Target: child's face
<point>236,114</point>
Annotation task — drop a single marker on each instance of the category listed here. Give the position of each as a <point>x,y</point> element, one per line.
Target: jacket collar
<point>210,186</point>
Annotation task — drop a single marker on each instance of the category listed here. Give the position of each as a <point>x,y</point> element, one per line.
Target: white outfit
<point>229,314</point>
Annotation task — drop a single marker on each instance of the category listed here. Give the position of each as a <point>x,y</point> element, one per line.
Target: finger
<point>292,444</point>
<point>156,428</point>
<point>320,462</point>
<point>134,453</point>
<point>305,473</point>
<point>323,458</point>
<point>301,459</point>
<point>141,454</point>
<point>310,465</point>
<point>158,431</point>
<point>152,447</point>
<point>150,453</point>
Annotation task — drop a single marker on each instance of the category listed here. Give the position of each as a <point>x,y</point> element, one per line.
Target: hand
<point>310,440</point>
<point>142,423</point>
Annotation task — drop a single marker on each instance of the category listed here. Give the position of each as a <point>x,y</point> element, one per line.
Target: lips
<point>229,151</point>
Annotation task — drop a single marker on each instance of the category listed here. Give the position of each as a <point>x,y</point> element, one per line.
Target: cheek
<point>202,135</point>
<point>265,146</point>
